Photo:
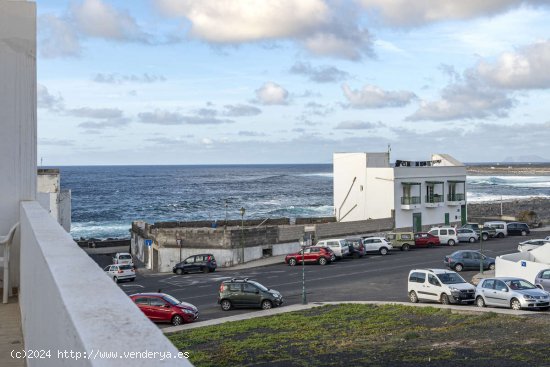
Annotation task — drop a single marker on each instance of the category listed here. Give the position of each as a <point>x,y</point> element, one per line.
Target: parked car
<point>515,293</point>
<point>313,254</point>
<point>356,248</point>
<point>484,232</point>
<point>161,307</point>
<point>517,229</point>
<point>547,238</point>
<point>122,258</point>
<point>119,272</point>
<point>205,263</point>
<point>439,285</point>
<point>468,259</point>
<point>377,244</point>
<point>499,226</point>
<point>401,240</point>
<point>542,280</point>
<point>425,239</point>
<point>447,235</point>
<point>339,246</point>
<point>247,293</point>
<point>531,244</point>
<point>467,235</point>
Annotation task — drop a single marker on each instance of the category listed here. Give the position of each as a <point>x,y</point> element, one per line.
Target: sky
<point>291,81</point>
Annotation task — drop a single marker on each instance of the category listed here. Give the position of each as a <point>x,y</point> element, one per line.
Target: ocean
<point>106,199</point>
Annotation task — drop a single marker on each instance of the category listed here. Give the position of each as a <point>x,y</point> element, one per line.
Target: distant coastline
<point>508,169</point>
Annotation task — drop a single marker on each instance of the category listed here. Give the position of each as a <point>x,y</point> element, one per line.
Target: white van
<point>339,246</point>
<point>447,235</point>
<point>439,285</point>
<point>499,226</point>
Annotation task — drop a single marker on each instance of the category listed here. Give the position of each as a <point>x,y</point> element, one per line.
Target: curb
<point>299,307</point>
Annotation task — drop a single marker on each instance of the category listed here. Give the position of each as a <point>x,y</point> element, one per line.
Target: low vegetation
<point>366,335</point>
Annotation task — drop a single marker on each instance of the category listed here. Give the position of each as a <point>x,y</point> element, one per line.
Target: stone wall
<point>351,228</point>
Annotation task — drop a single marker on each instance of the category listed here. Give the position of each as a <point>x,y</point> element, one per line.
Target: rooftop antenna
<point>389,151</point>
<point>41,161</point>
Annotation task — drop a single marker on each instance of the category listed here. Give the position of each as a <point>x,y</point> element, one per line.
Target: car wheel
<point>413,297</point>
<point>179,271</point>
<point>292,262</point>
<point>383,251</point>
<point>444,299</point>
<point>132,279</point>
<point>480,302</point>
<point>322,261</point>
<point>205,270</point>
<point>451,242</point>
<point>115,279</point>
<point>491,266</point>
<point>485,236</point>
<point>515,304</point>
<point>212,270</point>
<point>523,233</point>
<point>405,247</point>
<point>430,245</point>
<point>226,305</point>
<point>458,267</point>
<point>356,255</point>
<point>177,320</point>
<point>266,304</point>
<point>500,235</point>
<point>472,239</point>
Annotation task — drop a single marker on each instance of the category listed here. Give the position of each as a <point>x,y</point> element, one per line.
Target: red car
<point>313,254</point>
<point>424,239</point>
<point>161,307</point>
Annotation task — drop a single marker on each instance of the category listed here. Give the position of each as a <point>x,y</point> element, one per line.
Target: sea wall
<point>511,208</point>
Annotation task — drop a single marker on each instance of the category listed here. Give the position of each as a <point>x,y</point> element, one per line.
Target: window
<point>113,268</point>
<point>466,255</point>
<point>234,287</point>
<point>434,232</point>
<point>432,280</point>
<point>406,236</point>
<point>476,256</point>
<point>249,288</point>
<point>500,286</point>
<point>125,257</point>
<point>190,260</point>
<point>489,284</point>
<point>157,302</point>
<point>142,301</point>
<point>125,267</point>
<point>451,231</point>
<point>315,249</point>
<point>307,250</point>
<point>443,232</point>
<point>417,277</point>
<point>546,274</point>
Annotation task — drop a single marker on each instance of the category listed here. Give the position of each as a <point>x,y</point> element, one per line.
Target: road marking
<point>132,285</point>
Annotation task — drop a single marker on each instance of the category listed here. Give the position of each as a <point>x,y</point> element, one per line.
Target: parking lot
<point>371,278</point>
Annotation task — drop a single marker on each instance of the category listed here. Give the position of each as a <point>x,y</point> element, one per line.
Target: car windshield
<point>519,284</point>
<point>171,299</point>
<point>261,287</point>
<point>450,278</point>
<point>125,257</point>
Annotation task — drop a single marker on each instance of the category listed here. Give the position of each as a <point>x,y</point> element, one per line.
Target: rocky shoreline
<point>512,208</point>
<point>542,169</point>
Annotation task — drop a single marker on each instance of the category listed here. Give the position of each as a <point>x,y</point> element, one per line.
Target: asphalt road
<point>372,278</point>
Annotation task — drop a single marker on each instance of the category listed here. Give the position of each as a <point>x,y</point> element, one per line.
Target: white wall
<point>346,168</point>
<point>17,115</point>
<point>524,265</point>
<point>379,198</point>
<point>65,210</point>
<point>68,303</point>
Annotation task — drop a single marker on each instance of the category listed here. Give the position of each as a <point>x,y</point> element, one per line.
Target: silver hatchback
<point>514,293</point>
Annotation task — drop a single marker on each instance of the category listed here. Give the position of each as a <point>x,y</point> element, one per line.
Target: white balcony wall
<point>68,303</point>
<point>17,116</point>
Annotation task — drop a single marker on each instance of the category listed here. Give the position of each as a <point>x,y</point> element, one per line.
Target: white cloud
<point>96,113</point>
<point>57,37</point>
<point>272,94</point>
<point>406,13</point>
<point>161,117</point>
<point>324,28</point>
<point>528,68</point>
<point>319,74</point>
<point>373,97</point>
<point>469,99</point>
<point>95,18</point>
<point>47,100</point>
<point>355,125</point>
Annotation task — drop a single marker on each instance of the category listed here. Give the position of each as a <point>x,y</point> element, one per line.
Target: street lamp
<point>481,250</point>
<point>225,223</point>
<point>303,243</point>
<point>242,233</point>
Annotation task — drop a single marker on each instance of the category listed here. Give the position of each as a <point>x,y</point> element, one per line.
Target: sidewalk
<point>299,307</point>
<point>11,336</point>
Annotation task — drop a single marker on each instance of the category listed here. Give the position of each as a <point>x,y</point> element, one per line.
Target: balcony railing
<point>455,197</point>
<point>410,200</point>
<point>434,199</point>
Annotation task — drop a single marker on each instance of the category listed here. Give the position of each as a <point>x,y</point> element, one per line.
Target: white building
<point>56,201</point>
<point>417,194</point>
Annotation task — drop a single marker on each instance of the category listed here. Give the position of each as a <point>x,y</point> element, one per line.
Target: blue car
<point>468,260</point>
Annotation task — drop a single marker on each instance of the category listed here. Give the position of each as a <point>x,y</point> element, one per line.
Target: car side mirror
<point>504,289</point>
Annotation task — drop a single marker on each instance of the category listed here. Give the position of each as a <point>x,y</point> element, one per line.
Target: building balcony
<point>456,199</point>
<point>410,202</point>
<point>67,303</point>
<point>433,201</point>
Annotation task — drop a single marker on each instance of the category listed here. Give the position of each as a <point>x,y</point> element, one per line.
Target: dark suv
<point>518,229</point>
<point>247,293</point>
<point>203,262</point>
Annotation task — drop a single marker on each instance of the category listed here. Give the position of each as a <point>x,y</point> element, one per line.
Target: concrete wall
<point>379,193</point>
<point>327,230</point>
<point>81,312</point>
<point>349,177</point>
<point>17,116</point>
<point>524,265</point>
